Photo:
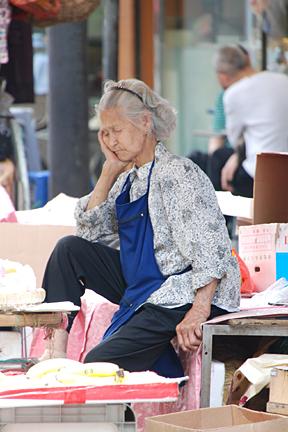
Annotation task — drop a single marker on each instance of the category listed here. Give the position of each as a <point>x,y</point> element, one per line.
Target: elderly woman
<point>174,269</point>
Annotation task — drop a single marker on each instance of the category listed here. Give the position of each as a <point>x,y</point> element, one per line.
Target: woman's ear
<point>147,121</point>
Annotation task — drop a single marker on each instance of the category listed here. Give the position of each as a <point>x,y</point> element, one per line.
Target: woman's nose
<point>113,139</point>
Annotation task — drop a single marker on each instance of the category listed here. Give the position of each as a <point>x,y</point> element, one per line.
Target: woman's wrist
<point>101,189</point>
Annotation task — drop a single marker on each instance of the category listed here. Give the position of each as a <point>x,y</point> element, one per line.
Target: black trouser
<point>76,264</point>
<point>212,165</point>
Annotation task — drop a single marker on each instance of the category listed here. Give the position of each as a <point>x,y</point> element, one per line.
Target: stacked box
<point>264,249</point>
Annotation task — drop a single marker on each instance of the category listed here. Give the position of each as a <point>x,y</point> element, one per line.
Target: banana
<point>120,376</point>
<point>10,270</point>
<point>72,379</point>
<point>98,373</point>
<point>51,366</point>
<point>70,372</point>
<point>100,369</point>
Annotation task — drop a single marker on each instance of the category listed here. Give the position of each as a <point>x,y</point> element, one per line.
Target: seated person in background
<point>256,106</point>
<point>219,126</point>
<point>219,149</point>
<point>219,121</point>
<point>174,269</point>
<point>217,141</point>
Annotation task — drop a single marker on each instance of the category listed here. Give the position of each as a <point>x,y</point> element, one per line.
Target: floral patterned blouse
<point>188,228</point>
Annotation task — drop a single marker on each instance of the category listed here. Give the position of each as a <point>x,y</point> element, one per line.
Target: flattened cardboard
<point>31,244</point>
<point>230,418</point>
<point>270,188</point>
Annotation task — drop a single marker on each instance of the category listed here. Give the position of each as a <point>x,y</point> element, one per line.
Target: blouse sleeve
<point>197,224</point>
<point>99,222</point>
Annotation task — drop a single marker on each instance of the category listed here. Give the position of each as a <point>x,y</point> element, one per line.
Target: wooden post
<point>126,50</point>
<point>110,39</point>
<point>147,42</point>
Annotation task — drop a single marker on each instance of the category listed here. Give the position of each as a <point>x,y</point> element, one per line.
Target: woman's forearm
<point>102,187</point>
<point>189,331</point>
<point>204,296</point>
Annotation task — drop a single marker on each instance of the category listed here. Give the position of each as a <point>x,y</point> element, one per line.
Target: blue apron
<point>139,267</point>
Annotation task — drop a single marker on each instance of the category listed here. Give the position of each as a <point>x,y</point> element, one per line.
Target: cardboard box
<point>230,418</point>
<point>279,385</point>
<point>270,188</point>
<point>264,249</point>
<point>278,394</point>
<point>31,244</point>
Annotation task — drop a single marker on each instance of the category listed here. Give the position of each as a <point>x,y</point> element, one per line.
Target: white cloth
<point>257,107</point>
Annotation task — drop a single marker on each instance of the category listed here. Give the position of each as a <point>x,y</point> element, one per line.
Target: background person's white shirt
<point>257,108</point>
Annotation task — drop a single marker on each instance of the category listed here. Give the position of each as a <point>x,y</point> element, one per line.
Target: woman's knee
<point>66,244</point>
<point>66,248</point>
<point>97,354</point>
<point>75,244</point>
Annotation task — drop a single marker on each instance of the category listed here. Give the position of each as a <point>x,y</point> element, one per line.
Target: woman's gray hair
<point>230,60</point>
<point>135,98</point>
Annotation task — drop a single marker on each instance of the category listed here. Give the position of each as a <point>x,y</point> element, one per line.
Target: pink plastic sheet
<point>85,394</point>
<point>7,211</point>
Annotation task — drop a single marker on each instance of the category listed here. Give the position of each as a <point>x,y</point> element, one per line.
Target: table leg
<point>24,351</point>
<point>206,366</point>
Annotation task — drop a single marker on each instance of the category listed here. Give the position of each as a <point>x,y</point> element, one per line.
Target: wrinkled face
<point>121,136</point>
